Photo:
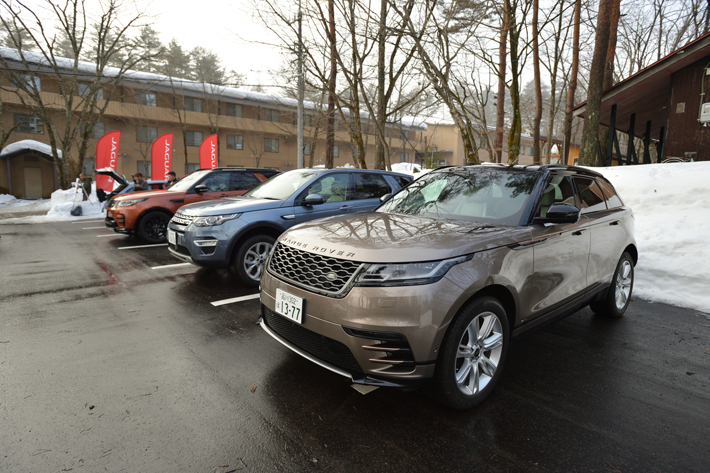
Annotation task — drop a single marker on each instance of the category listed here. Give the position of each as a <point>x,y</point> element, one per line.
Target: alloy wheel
<point>479,353</point>
<point>254,259</point>
<point>624,279</point>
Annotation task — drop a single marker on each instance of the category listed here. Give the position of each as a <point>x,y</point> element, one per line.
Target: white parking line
<point>171,265</point>
<point>89,220</point>
<point>113,234</point>
<point>141,246</point>
<point>235,299</point>
<point>92,228</point>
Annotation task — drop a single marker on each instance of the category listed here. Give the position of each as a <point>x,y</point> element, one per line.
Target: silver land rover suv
<point>433,284</point>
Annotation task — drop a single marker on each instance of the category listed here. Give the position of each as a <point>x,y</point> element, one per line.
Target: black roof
<point>546,168</point>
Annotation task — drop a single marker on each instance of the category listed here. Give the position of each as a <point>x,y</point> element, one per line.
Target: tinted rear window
<point>612,198</point>
<point>591,195</point>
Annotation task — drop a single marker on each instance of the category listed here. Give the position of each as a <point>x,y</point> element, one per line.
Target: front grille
<point>312,271</point>
<point>179,249</point>
<point>324,348</point>
<point>182,219</point>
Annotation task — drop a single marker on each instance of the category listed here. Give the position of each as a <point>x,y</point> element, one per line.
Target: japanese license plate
<point>289,306</point>
<point>172,237</point>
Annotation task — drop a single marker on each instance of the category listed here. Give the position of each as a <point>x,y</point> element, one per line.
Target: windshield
<point>281,187</point>
<point>482,196</point>
<point>184,184</point>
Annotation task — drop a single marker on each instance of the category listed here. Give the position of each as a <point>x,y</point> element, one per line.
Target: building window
<point>97,132</point>
<point>192,167</point>
<point>193,105</point>
<point>271,145</point>
<point>26,80</point>
<point>85,90</point>
<point>306,120</point>
<point>234,110</point>
<point>271,115</point>
<point>482,142</point>
<point>307,149</point>
<point>89,166</point>
<point>234,142</point>
<point>28,123</point>
<point>405,135</point>
<point>193,138</point>
<point>530,150</point>
<point>403,157</point>
<point>144,168</point>
<point>146,134</point>
<point>336,151</point>
<point>147,98</point>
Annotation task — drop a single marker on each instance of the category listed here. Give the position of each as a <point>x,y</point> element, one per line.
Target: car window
<point>243,181</point>
<point>590,194</point>
<point>282,186</point>
<point>558,190</point>
<point>333,187</point>
<point>217,182</point>
<point>370,186</point>
<point>480,196</point>
<point>612,198</point>
<point>402,181</point>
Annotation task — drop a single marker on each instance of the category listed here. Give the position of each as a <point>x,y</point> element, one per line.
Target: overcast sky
<point>224,26</point>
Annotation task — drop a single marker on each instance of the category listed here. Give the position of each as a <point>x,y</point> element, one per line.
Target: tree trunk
<point>538,87</point>
<point>572,86</point>
<point>516,125</point>
<point>590,134</point>
<point>330,129</point>
<point>609,72</point>
<point>500,103</point>
<point>381,105</point>
<point>554,107</point>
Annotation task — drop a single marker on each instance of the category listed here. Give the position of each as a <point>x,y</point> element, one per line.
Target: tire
<point>463,379</point>
<point>248,262</point>
<point>153,226</point>
<point>618,295</point>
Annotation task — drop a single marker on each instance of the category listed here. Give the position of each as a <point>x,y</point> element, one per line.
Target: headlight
<point>213,220</point>
<point>407,274</point>
<point>126,203</point>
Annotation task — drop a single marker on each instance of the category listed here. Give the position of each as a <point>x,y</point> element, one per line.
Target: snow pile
<point>27,145</point>
<point>63,201</point>
<point>6,198</point>
<point>9,205</point>
<point>672,226</point>
<point>407,168</point>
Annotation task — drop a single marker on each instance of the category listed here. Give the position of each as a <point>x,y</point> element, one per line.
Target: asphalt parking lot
<point>116,359</point>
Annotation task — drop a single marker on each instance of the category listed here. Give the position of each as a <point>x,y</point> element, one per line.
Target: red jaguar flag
<point>107,157</point>
<point>161,152</point>
<point>208,153</point>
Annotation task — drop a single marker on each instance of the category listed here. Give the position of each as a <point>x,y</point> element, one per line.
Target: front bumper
<point>184,248</point>
<point>334,332</point>
<point>112,224</point>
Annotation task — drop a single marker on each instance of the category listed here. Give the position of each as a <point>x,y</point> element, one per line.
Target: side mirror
<point>313,199</point>
<point>201,189</point>
<point>385,198</point>
<point>560,213</point>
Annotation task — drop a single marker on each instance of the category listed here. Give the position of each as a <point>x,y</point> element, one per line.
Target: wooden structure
<point>660,105</point>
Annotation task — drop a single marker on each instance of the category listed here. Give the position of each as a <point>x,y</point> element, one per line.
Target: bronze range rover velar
<point>432,285</point>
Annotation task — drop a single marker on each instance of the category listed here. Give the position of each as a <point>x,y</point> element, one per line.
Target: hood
<point>149,194</point>
<point>112,174</point>
<point>391,238</point>
<point>229,205</point>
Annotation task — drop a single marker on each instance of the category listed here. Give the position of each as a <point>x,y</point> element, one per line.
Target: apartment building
<point>254,130</point>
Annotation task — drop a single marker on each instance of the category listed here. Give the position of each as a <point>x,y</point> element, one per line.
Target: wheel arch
<point>633,251</point>
<point>250,231</point>
<point>149,210</point>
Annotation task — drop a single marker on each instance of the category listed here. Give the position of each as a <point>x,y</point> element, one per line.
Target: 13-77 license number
<point>289,306</point>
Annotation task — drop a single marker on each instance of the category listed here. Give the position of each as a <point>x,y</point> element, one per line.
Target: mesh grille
<point>317,272</point>
<point>323,348</point>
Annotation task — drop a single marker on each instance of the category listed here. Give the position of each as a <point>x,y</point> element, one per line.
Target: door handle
<point>615,222</point>
<point>288,217</point>
<point>578,232</point>
<point>347,207</point>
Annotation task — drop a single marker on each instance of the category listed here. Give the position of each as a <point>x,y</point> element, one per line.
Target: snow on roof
<point>28,145</point>
<point>166,81</point>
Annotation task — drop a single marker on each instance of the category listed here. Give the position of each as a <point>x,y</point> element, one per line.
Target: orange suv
<point>147,213</point>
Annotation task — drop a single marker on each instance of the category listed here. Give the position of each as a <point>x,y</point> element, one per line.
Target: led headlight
<point>126,203</point>
<point>407,274</point>
<point>213,220</point>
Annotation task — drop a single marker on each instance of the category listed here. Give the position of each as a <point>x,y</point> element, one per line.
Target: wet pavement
<point>109,365</point>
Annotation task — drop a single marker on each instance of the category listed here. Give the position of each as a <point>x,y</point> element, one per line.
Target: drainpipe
<point>9,176</point>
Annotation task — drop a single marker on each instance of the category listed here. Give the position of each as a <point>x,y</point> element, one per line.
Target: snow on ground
<point>672,226</point>
<point>57,208</point>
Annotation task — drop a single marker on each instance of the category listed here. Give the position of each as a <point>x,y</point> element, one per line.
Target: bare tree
<point>572,87</point>
<point>85,88</point>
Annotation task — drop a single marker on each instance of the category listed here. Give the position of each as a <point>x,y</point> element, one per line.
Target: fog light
<point>202,243</point>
